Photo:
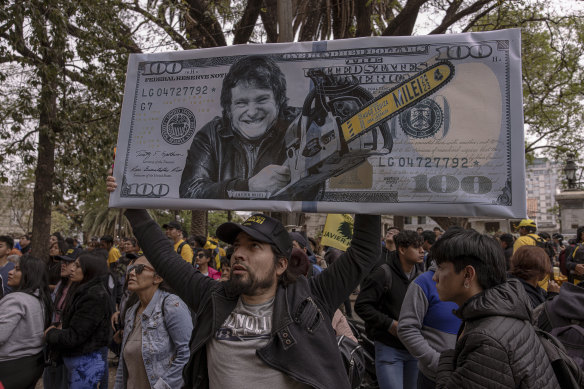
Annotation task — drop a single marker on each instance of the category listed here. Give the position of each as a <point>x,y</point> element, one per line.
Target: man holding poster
<point>243,150</point>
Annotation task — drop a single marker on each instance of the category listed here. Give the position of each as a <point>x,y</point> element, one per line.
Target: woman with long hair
<point>157,330</point>
<point>55,375</point>
<point>56,250</point>
<point>24,315</point>
<point>85,331</point>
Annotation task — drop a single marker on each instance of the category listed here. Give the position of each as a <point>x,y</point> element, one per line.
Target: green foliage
<point>553,81</point>
<point>216,218</point>
<point>60,223</point>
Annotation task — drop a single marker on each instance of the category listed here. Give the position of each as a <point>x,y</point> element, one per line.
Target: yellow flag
<point>338,231</point>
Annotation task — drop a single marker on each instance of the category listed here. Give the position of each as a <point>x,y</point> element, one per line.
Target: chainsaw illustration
<point>341,123</point>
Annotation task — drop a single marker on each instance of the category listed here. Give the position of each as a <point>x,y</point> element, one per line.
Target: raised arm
<point>188,283</point>
<point>334,284</point>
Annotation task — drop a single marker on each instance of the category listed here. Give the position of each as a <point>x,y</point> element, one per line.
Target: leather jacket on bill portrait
<point>220,160</point>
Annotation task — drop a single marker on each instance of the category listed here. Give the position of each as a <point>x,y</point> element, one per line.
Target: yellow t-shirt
<point>113,255</point>
<point>525,240</point>
<point>186,252</point>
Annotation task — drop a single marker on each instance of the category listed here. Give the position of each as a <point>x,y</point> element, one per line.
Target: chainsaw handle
<point>387,138</point>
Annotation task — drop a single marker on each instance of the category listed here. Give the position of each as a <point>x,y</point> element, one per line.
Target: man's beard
<point>239,284</point>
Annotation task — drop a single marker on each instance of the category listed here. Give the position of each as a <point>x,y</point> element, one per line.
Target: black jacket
<point>536,294</point>
<point>384,257</point>
<point>378,307</point>
<point>220,160</point>
<point>497,346</point>
<point>563,309</point>
<point>86,321</point>
<point>574,256</point>
<point>301,329</point>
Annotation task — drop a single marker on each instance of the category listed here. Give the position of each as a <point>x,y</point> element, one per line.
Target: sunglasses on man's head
<point>140,268</point>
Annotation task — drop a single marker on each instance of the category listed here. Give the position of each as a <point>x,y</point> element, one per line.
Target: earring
<point>466,285</point>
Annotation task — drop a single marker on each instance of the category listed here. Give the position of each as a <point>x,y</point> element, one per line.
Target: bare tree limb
<point>202,26</point>
<point>404,22</point>
<point>161,22</point>
<point>453,17</point>
<point>269,20</point>
<point>244,28</point>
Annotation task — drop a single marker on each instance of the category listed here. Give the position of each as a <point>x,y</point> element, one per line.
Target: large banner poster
<point>426,125</point>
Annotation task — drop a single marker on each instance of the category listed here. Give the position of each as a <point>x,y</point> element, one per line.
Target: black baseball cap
<point>261,227</point>
<point>65,258</point>
<point>173,224</point>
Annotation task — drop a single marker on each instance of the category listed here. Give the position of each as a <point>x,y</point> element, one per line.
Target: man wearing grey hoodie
<point>427,326</point>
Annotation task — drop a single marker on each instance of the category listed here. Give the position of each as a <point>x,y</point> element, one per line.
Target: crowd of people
<point>444,309</point>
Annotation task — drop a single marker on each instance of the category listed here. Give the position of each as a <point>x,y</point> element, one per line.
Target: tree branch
<point>160,22</point>
<point>202,26</point>
<point>452,17</point>
<point>244,28</point>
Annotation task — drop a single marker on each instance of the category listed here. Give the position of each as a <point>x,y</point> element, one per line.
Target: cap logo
<point>255,219</point>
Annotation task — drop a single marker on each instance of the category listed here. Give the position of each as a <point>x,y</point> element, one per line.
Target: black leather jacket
<point>220,160</point>
<point>302,313</point>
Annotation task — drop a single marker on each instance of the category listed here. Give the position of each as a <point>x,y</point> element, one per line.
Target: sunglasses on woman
<point>201,255</point>
<point>140,268</point>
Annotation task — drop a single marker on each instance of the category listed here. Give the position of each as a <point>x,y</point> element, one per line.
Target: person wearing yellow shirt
<point>213,245</point>
<point>174,232</point>
<point>113,254</point>
<point>527,231</point>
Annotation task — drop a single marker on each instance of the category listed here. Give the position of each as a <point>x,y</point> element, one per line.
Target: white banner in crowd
<point>425,125</point>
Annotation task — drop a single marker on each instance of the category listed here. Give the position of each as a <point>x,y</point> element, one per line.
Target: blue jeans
<point>395,368</point>
<point>86,371</point>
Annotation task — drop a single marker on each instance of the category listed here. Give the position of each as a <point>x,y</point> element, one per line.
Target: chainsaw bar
<point>397,99</point>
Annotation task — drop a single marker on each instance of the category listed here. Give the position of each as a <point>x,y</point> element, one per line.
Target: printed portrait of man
<point>243,150</point>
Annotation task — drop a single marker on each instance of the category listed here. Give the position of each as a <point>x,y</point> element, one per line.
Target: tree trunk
<point>244,28</point>
<point>363,10</point>
<point>285,17</point>
<point>398,221</point>
<point>199,223</point>
<point>270,20</point>
<point>45,169</point>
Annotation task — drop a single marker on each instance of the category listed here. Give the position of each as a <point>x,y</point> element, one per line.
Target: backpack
<point>571,336</point>
<point>180,246</point>
<point>353,360</point>
<point>388,279</point>
<point>568,374</point>
<point>547,246</point>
